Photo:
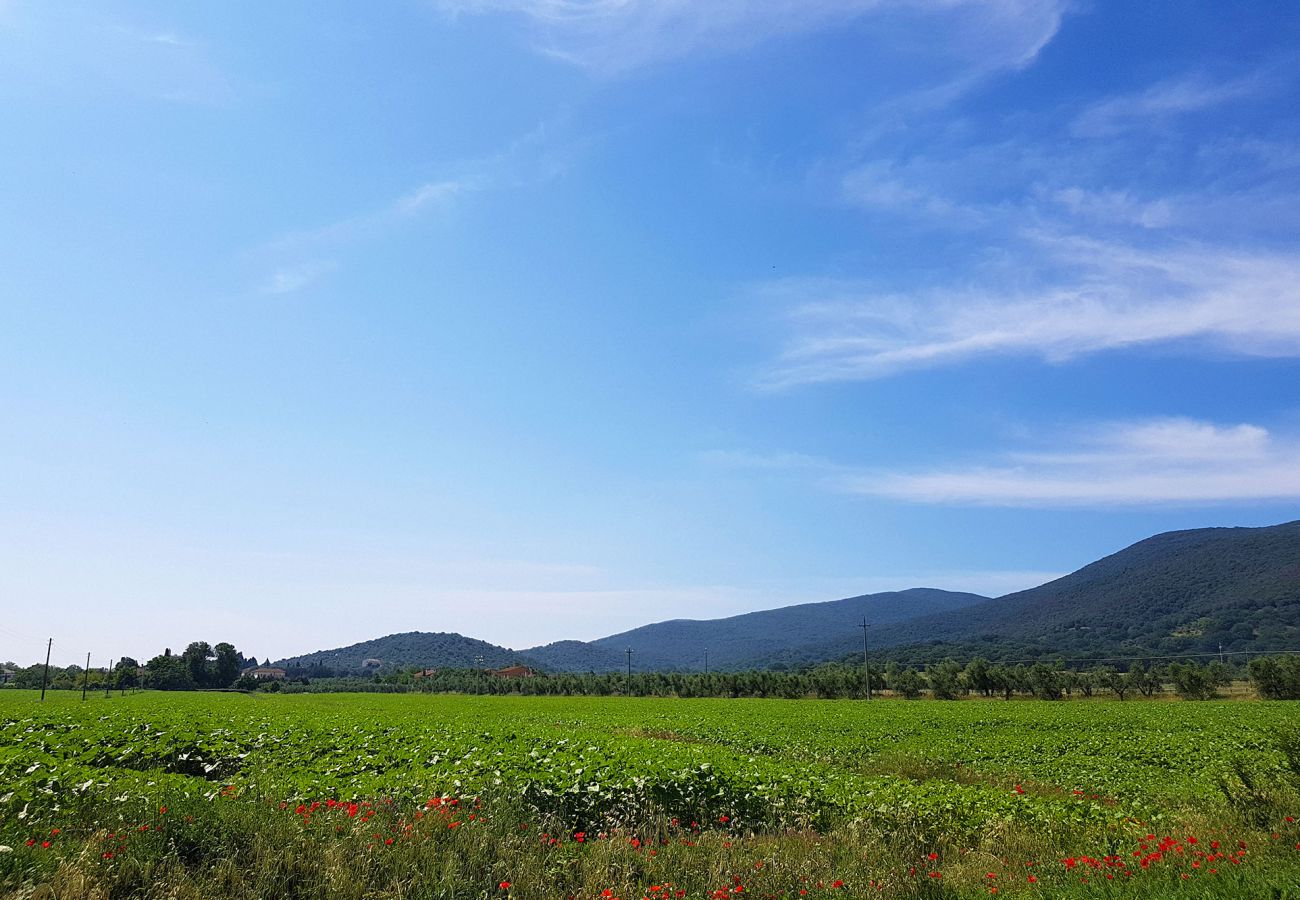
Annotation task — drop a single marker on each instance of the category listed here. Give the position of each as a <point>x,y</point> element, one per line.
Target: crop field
<point>205,794</point>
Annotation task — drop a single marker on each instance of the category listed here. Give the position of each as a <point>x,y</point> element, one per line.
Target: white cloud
<point>1098,296</point>
<point>1159,103</point>
<point>288,279</point>
<point>616,35</point>
<point>1120,464</point>
<point>1115,206</point>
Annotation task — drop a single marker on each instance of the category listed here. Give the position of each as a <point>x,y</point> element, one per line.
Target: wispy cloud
<point>1114,464</point>
<point>289,279</point>
<point>1097,296</point>
<point>1160,102</point>
<point>536,156</point>
<point>420,199</point>
<point>617,35</point>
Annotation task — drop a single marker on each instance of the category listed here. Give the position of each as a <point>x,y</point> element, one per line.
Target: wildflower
<point>505,885</point>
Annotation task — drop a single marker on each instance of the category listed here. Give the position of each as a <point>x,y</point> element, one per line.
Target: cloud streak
<point>1160,102</point>
<point>618,35</point>
<point>1098,297</point>
<point>1162,461</point>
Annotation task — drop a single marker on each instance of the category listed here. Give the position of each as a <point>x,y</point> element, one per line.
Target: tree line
<point>1273,677</point>
<point>204,666</point>
<point>200,666</point>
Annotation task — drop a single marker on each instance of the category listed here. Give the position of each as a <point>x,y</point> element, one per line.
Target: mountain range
<point>1199,591</point>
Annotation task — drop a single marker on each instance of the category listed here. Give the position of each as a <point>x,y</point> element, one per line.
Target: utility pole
<point>706,660</point>
<point>85,679</point>
<point>1222,661</point>
<point>629,671</point>
<point>107,676</point>
<point>45,679</point>
<point>866,663</point>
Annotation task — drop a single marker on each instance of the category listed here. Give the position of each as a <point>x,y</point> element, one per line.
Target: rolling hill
<point>411,648</point>
<point>1178,592</point>
<point>791,634</point>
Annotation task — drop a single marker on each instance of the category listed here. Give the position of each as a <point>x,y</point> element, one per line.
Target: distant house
<point>6,675</point>
<point>266,673</point>
<point>514,672</point>
<point>425,673</point>
<point>372,663</point>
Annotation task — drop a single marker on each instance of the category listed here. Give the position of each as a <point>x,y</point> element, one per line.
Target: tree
<point>1115,681</point>
<point>126,674</point>
<point>196,657</point>
<point>1045,682</point>
<point>1276,677</point>
<point>908,682</point>
<point>168,673</point>
<point>945,679</point>
<point>978,677</point>
<point>226,670</point>
<point>1193,682</point>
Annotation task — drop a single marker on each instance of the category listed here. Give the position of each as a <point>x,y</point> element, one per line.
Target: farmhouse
<point>266,673</point>
<point>425,673</point>
<point>514,672</point>
<point>6,676</point>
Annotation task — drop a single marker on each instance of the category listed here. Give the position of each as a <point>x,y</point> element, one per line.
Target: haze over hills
<point>795,633</point>
<point>1178,592</point>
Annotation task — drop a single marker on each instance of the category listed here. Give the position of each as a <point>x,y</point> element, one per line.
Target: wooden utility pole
<point>107,676</point>
<point>45,679</point>
<point>706,660</point>
<point>629,671</point>
<point>85,679</point>
<point>866,663</point>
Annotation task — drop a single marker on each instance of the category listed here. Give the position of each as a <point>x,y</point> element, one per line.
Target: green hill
<point>1178,592</point>
<point>412,648</point>
<point>791,634</point>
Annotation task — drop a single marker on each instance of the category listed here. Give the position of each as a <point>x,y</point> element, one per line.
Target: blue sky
<point>535,319</point>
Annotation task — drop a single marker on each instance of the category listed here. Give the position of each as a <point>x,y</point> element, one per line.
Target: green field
<point>355,795</point>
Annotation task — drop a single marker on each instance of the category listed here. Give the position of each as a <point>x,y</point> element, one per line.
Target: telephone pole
<point>706,660</point>
<point>629,671</point>
<point>45,679</point>
<point>866,663</point>
<point>85,679</point>
<point>108,675</point>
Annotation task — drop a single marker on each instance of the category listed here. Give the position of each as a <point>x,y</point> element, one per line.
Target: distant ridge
<point>1178,592</point>
<point>791,634</point>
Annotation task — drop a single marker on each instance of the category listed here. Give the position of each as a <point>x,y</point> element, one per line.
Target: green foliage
<point>169,673</point>
<point>1193,682</point>
<point>1276,677</point>
<point>866,790</point>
